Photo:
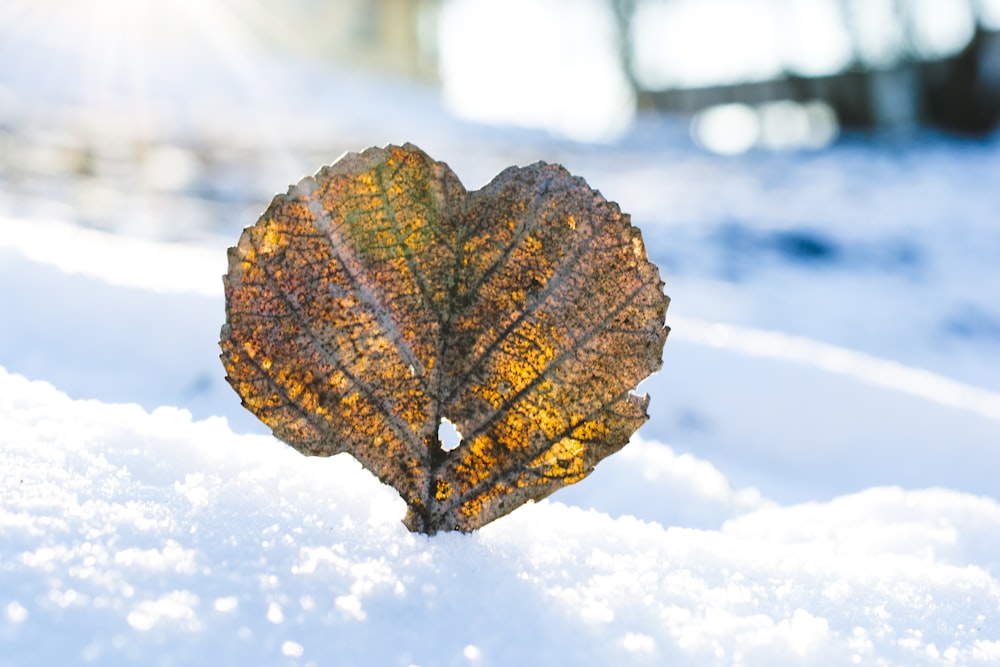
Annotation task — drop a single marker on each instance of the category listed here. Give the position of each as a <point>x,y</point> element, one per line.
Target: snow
<point>817,484</point>
<point>857,522</point>
<point>152,538</point>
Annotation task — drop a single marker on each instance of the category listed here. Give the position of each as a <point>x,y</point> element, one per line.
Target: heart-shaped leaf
<point>379,298</point>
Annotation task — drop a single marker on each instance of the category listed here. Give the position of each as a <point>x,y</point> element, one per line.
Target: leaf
<point>379,298</point>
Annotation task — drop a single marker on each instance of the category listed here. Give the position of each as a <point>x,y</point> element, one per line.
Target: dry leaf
<point>380,297</point>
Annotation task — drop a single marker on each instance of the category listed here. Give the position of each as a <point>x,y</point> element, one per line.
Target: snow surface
<point>149,538</point>
<point>856,522</point>
<point>817,484</point>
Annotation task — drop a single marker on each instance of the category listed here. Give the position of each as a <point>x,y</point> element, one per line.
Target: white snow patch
<point>116,259</point>
<point>102,545</point>
<point>865,367</point>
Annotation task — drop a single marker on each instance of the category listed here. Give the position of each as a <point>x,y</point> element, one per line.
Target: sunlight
<point>133,91</point>
<point>727,129</point>
<point>127,52</point>
<point>684,43</point>
<point>781,125</point>
<point>941,27</point>
<point>504,63</point>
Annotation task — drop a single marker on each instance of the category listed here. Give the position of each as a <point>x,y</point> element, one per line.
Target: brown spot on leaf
<point>379,297</point>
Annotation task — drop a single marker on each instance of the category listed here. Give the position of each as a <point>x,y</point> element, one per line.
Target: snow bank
<point>121,261</point>
<point>148,538</point>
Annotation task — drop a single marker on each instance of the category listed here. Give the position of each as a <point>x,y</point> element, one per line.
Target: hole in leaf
<point>448,435</point>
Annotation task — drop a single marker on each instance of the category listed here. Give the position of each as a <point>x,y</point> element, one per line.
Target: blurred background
<point>818,181</point>
<point>176,118</point>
